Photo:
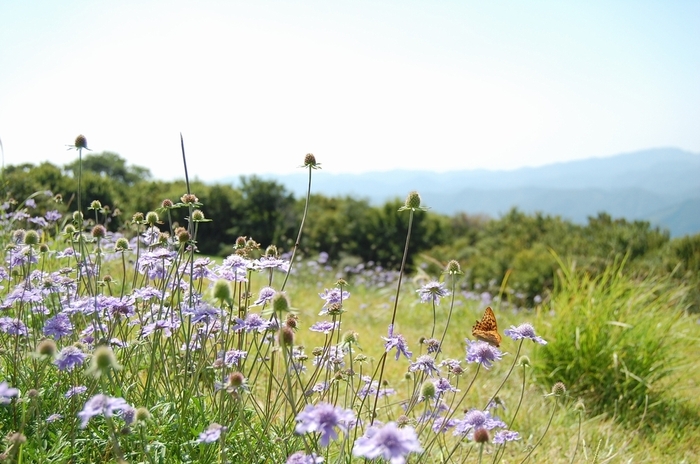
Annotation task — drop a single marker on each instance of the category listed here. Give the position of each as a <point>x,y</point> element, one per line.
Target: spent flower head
<point>412,203</point>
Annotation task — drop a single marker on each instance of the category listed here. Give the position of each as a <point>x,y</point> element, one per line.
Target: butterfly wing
<point>487,328</point>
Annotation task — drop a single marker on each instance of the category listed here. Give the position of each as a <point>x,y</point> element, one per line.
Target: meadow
<point>131,346</point>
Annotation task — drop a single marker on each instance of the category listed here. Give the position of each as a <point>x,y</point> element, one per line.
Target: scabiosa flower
<point>483,353</point>
<point>58,326</point>
<point>426,364</point>
<point>442,386</point>
<point>476,419</point>
<point>302,458</point>
<point>325,327</point>
<point>503,436</point>
<point>7,392</point>
<point>13,326</point>
<point>524,331</point>
<point>389,442</point>
<point>332,296</point>
<point>69,358</point>
<point>54,418</point>
<point>212,433</point>
<point>101,405</point>
<point>332,358</point>
<point>253,322</point>
<point>265,296</point>
<point>234,268</point>
<point>77,390</point>
<point>432,292</point>
<point>324,418</point>
<point>370,388</point>
<point>53,215</point>
<point>232,357</point>
<point>271,262</point>
<point>398,342</point>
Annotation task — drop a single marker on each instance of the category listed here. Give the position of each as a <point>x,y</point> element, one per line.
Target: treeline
<point>525,249</point>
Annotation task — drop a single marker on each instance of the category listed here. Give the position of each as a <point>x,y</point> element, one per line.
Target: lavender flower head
<point>69,358</point>
<point>7,392</point>
<point>398,342</point>
<point>476,419</point>
<point>524,331</point>
<point>302,458</point>
<point>503,436</point>
<point>101,405</point>
<point>389,442</point>
<point>432,292</point>
<point>332,297</point>
<point>212,433</point>
<point>58,326</point>
<point>483,353</point>
<point>426,364</point>
<point>324,418</point>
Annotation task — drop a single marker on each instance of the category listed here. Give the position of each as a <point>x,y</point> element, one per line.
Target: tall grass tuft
<point>617,340</point>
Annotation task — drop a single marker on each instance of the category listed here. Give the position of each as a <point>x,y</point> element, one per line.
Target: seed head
<point>271,251</point>
<point>412,201</point>
<point>350,337</point>
<point>46,347</point>
<point>198,215</point>
<point>236,379</point>
<point>99,231</point>
<point>142,414</point>
<point>427,390</point>
<point>524,361</point>
<point>481,435</point>
<point>280,303</point>
<point>69,229</point>
<point>167,203</point>
<point>31,237</point>
<point>152,218</point>
<point>103,359</point>
<point>43,248</point>
<point>453,268</point>
<point>292,321</point>
<point>95,204</point>
<point>310,161</point>
<point>558,389</point>
<point>122,244</point>
<point>222,290</point>
<point>137,217</point>
<point>286,336</point>
<point>77,217</point>
<point>189,199</point>
<point>80,141</point>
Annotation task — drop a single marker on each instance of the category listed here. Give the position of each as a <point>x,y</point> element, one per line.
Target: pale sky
<point>364,85</point>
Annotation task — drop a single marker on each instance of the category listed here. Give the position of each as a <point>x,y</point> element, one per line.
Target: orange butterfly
<point>487,329</point>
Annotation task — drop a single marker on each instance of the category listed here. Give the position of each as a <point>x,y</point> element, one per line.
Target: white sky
<point>364,85</point>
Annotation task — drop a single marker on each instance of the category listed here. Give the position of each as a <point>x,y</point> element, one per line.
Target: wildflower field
<point>131,346</point>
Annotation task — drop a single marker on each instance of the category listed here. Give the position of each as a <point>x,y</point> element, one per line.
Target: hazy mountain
<point>660,185</point>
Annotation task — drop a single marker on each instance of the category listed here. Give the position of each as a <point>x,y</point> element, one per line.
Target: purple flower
<point>524,331</point>
<point>77,390</point>
<point>58,326</point>
<point>442,386</point>
<point>265,296</point>
<point>101,405</point>
<point>397,342</point>
<point>212,433</point>
<point>200,269</point>
<point>54,418</point>
<point>424,363</point>
<point>389,442</point>
<point>13,326</point>
<point>7,392</point>
<point>203,312</point>
<point>69,358</point>
<point>234,268</point>
<point>475,419</point>
<point>325,326</point>
<point>270,262</point>
<point>302,458</point>
<point>503,436</point>
<point>324,418</point>
<point>232,357</point>
<point>370,388</point>
<point>483,353</point>
<point>432,292</point>
<point>253,322</point>
<point>116,307</point>
<point>53,215</point>
<point>332,358</point>
<point>332,297</point>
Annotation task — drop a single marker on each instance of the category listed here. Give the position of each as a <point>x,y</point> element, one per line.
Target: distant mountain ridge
<point>660,185</point>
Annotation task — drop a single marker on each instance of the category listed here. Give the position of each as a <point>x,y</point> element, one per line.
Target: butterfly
<point>487,329</point>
